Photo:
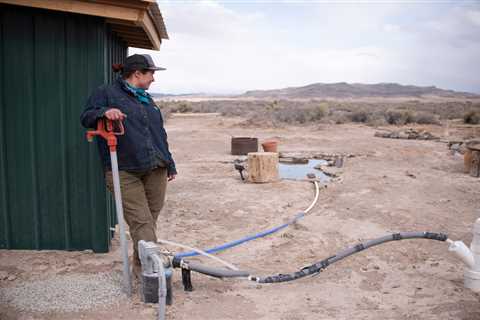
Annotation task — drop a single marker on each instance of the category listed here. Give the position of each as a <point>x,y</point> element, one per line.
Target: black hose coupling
<point>186,273</point>
<point>187,280</point>
<point>176,262</point>
<point>436,236</point>
<point>359,247</point>
<point>397,236</point>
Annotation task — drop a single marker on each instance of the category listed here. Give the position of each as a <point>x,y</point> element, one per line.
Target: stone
<point>405,135</point>
<point>411,175</point>
<point>339,162</point>
<point>40,267</point>
<point>3,275</point>
<point>70,261</point>
<point>455,147</point>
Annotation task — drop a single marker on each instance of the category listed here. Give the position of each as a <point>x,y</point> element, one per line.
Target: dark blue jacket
<point>144,145</point>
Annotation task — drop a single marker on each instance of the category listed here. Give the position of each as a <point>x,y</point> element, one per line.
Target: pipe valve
<point>471,258</point>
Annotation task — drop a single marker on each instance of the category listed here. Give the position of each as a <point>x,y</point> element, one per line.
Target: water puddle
<point>294,171</point>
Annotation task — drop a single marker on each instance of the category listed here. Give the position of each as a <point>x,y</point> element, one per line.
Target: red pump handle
<point>108,130</point>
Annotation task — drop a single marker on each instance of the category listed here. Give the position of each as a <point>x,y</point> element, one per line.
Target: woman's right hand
<point>115,114</point>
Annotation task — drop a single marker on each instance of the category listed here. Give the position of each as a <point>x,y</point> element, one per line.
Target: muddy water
<point>300,171</point>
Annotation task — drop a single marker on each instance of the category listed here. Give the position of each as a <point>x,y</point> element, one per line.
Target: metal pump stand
<point>108,130</point>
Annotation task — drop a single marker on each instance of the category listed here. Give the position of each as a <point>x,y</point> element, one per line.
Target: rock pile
<point>407,134</point>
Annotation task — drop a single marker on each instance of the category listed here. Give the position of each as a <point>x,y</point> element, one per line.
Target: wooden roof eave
<point>135,14</point>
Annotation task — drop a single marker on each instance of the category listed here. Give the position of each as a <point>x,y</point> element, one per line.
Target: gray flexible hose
<point>314,268</point>
<point>319,266</point>
<point>214,272</point>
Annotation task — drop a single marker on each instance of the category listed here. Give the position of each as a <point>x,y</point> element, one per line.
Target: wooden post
<point>475,168</point>
<point>467,160</point>
<point>262,167</point>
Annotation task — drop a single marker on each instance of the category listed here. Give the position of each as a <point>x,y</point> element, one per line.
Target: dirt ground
<point>389,186</point>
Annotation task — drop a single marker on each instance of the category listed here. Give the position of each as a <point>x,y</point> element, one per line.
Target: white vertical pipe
<point>162,287</point>
<point>127,282</point>
<point>472,274</point>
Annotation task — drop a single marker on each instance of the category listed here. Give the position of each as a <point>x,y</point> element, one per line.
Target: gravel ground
<point>390,185</point>
<point>65,293</point>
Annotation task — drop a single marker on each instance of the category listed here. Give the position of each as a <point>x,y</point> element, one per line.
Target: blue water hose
<point>235,243</point>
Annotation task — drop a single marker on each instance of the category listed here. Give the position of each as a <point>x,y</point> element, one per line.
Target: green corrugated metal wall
<point>52,194</point>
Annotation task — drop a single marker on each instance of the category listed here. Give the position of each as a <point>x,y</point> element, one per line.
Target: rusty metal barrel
<point>244,145</point>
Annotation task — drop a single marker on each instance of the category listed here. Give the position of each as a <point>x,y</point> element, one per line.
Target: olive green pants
<point>143,195</point>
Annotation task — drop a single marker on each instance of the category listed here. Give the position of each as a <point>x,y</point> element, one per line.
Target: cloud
<point>474,17</point>
<point>218,47</point>
<point>206,20</point>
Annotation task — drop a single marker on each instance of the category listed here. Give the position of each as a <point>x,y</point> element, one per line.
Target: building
<point>52,55</point>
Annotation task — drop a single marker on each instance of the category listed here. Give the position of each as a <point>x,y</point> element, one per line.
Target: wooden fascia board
<point>146,23</point>
<point>114,14</point>
<point>127,29</point>
<point>82,7</point>
<point>126,3</point>
<point>156,15</point>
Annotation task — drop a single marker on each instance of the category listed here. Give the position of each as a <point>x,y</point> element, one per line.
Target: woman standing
<point>144,160</point>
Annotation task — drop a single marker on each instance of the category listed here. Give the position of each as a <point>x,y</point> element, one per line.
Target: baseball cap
<point>140,62</point>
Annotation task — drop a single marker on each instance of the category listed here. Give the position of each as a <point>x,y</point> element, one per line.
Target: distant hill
<point>157,95</point>
<point>356,90</point>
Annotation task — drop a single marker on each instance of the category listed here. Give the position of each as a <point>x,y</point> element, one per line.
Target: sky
<point>229,47</point>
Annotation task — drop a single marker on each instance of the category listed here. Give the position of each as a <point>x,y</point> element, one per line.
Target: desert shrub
<point>176,106</point>
<point>288,115</point>
<point>339,118</point>
<point>377,121</point>
<point>296,113</point>
<point>472,117</point>
<point>184,107</point>
<point>164,108</point>
<point>359,116</point>
<point>399,117</point>
<point>317,112</point>
<point>273,105</point>
<point>280,112</point>
<point>426,118</point>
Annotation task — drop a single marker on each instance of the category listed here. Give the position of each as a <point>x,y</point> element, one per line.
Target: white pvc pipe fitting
<point>462,251</point>
<point>472,273</point>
